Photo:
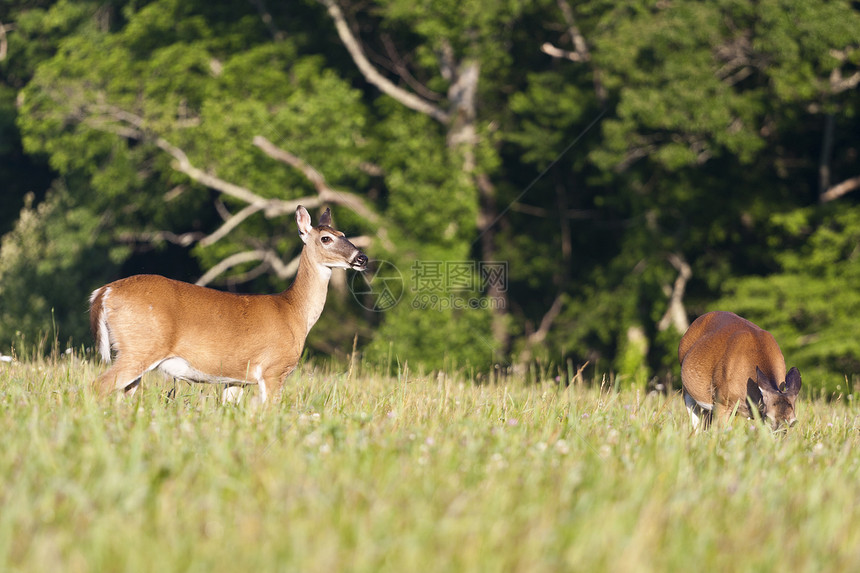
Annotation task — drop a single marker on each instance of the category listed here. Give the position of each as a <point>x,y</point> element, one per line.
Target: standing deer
<point>725,359</point>
<point>204,335</point>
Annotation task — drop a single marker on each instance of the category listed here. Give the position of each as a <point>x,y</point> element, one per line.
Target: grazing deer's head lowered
<point>726,359</point>
<point>204,335</point>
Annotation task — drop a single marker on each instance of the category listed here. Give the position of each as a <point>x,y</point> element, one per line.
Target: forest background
<point>545,183</point>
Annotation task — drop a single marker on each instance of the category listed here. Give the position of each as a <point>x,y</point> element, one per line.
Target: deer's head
<point>327,246</point>
<point>779,398</point>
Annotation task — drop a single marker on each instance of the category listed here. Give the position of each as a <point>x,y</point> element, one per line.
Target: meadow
<point>360,471</point>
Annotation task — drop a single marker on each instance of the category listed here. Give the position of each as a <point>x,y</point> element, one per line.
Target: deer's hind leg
<point>124,374</point>
<point>700,417</point>
<point>271,383</point>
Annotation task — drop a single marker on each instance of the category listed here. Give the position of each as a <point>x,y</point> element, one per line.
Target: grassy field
<point>412,473</point>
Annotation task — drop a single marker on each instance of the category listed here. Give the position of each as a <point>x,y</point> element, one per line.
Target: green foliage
<point>53,246</point>
<point>694,158</point>
<point>810,306</point>
<point>671,101</point>
<point>699,80</point>
<point>549,108</point>
<point>477,29</point>
<point>296,104</point>
<point>430,215</point>
<point>802,40</point>
<point>430,204</point>
<point>631,364</point>
<point>430,331</point>
<point>687,129</point>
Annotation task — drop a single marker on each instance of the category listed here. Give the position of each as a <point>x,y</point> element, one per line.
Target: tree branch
<point>373,76</point>
<point>398,66</point>
<point>539,335</point>
<point>116,120</point>
<point>4,42</point>
<point>284,271</point>
<point>249,275</point>
<point>841,189</point>
<point>325,193</point>
<point>556,52</point>
<point>580,51</point>
<point>182,239</point>
<point>634,155</point>
<point>183,165</point>
<point>737,55</point>
<point>575,35</point>
<point>676,314</point>
<point>133,126</point>
<point>231,223</point>
<point>837,82</point>
<point>272,207</point>
<point>547,213</point>
<point>268,259</point>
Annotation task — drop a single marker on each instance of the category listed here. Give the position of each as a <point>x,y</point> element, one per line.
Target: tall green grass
<point>412,473</point>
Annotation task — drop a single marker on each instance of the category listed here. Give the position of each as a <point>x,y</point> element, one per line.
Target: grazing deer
<point>204,335</point>
<point>724,360</point>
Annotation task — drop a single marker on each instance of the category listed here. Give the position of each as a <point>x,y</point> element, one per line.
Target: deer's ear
<point>752,388</point>
<point>303,220</point>
<point>792,382</point>
<point>325,218</point>
<point>764,383</point>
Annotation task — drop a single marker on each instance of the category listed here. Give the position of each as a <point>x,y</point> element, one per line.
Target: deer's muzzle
<point>359,262</point>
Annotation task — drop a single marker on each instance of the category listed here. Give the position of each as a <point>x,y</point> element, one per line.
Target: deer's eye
<point>325,240</point>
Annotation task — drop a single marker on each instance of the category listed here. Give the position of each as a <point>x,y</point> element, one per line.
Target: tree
<point>811,303</point>
<point>711,109</point>
<point>130,110</point>
<point>453,45</point>
<point>26,39</point>
<point>43,258</point>
<point>138,107</point>
<point>627,164</point>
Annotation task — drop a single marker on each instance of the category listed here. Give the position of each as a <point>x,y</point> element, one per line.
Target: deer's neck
<point>308,292</point>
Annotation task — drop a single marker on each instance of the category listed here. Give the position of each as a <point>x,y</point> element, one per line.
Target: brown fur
<point>725,359</point>
<point>212,336</point>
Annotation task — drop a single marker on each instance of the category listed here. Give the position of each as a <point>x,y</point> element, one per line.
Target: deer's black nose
<point>360,261</point>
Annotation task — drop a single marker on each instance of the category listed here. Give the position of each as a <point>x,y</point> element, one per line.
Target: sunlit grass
<point>412,473</point>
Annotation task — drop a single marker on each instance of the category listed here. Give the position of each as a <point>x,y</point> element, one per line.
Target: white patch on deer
<point>691,409</point>
<point>258,374</point>
<point>104,331</point>
<point>178,367</point>
<point>325,271</point>
<point>232,394</point>
<point>96,293</point>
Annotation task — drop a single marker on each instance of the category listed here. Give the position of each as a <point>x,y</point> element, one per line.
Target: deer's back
<point>720,352</point>
<point>196,322</point>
